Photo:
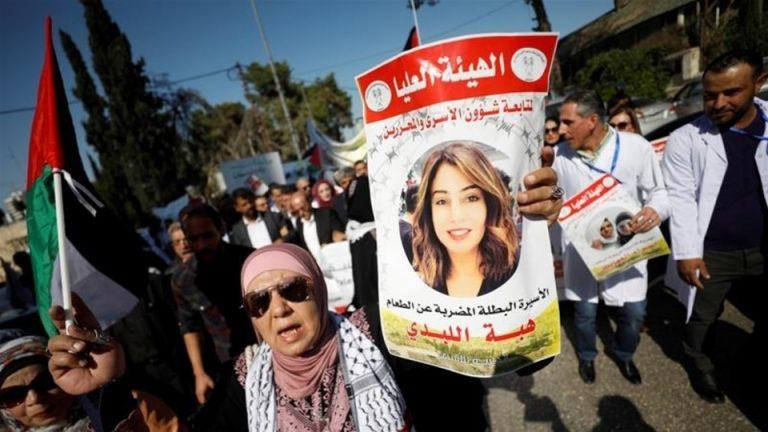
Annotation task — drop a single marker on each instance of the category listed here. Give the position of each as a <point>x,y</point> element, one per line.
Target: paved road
<point>556,399</point>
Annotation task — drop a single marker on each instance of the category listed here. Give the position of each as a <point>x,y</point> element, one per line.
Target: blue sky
<point>185,38</point>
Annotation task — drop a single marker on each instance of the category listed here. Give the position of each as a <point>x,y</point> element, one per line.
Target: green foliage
<point>641,70</point>
<point>129,126</point>
<point>330,106</point>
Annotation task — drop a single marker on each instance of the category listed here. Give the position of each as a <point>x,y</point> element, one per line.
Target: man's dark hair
<point>588,102</point>
<point>732,58</point>
<point>242,193</point>
<point>555,119</point>
<point>201,210</point>
<point>358,162</point>
<point>288,189</point>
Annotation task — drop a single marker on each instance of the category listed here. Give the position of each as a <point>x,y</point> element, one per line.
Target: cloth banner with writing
<point>597,221</point>
<point>465,282</point>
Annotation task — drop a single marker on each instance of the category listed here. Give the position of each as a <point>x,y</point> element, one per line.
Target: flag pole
<point>66,293</point>
<point>416,22</point>
<point>294,138</point>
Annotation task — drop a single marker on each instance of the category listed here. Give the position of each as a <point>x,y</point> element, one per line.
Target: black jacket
<point>274,221</point>
<point>327,221</point>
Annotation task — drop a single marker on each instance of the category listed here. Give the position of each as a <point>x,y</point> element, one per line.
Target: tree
<point>110,181</point>
<point>129,126</point>
<point>322,99</point>
<point>641,70</point>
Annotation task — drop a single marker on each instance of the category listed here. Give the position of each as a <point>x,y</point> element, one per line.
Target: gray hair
<point>587,102</point>
<point>342,173</point>
<point>173,227</point>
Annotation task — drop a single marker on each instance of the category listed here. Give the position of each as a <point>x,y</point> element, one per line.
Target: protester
<point>593,149</point>
<point>214,327</point>
<point>275,190</point>
<point>465,242</point>
<point>717,174</point>
<point>314,370</point>
<point>20,288</point>
<point>361,234</point>
<point>324,195</point>
<point>304,186</point>
<point>256,229</point>
<point>619,100</point>
<point>179,244</point>
<point>344,177</point>
<point>624,119</point>
<point>73,385</point>
<point>361,168</point>
<point>552,131</point>
<point>261,203</point>
<point>315,227</point>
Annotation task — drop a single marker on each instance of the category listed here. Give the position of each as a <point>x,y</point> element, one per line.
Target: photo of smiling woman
<point>465,241</point>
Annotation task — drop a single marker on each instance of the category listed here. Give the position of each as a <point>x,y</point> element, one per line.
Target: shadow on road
<point>618,413</point>
<point>538,409</point>
<point>734,351</point>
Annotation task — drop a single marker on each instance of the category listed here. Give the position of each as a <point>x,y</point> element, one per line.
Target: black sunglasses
<point>620,125</point>
<point>294,290</point>
<point>551,130</point>
<point>14,396</point>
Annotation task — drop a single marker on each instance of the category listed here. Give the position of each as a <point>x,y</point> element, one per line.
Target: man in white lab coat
<point>592,149</point>
<point>716,169</point>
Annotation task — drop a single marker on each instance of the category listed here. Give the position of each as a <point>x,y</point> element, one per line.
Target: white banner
<point>255,172</point>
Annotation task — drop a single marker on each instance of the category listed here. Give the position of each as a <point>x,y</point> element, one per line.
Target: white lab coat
<point>640,175</point>
<point>694,166</point>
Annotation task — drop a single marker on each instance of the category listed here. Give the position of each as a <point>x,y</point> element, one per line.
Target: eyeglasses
<point>551,130</point>
<point>294,290</point>
<point>620,125</point>
<point>14,396</point>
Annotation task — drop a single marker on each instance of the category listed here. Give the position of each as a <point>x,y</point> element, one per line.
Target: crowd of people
<point>239,317</point>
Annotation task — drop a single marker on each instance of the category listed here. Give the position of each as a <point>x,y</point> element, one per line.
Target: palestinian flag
<point>413,40</point>
<point>104,267</point>
<point>313,159</point>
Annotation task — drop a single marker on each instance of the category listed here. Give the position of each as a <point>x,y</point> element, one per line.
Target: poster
<point>255,172</point>
<point>465,283</point>
<point>336,263</point>
<point>597,223</point>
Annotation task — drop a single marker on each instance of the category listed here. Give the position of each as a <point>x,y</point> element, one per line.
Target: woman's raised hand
<point>85,359</point>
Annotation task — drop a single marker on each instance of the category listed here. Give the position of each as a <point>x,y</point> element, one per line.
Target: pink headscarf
<point>298,376</point>
<point>316,194</point>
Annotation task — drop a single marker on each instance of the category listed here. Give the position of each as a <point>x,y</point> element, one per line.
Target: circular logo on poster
<point>378,96</point>
<point>529,64</point>
<point>608,181</point>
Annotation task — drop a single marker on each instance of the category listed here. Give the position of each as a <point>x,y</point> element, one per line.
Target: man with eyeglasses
<point>716,169</point>
<point>214,327</point>
<point>593,149</point>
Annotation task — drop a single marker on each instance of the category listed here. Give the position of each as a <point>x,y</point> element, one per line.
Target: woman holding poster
<point>464,237</point>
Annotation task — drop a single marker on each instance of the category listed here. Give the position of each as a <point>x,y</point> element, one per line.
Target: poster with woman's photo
<point>465,282</point>
<point>598,221</point>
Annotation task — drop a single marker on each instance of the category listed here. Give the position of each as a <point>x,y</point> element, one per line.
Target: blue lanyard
<point>747,134</point>
<point>613,162</point>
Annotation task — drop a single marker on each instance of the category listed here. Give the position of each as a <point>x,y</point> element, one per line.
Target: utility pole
<point>543,25</point>
<point>291,130</point>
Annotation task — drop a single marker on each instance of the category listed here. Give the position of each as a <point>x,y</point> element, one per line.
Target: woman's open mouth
<point>290,333</point>
<point>459,234</point>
